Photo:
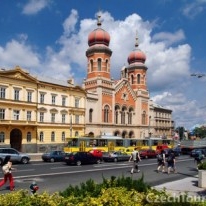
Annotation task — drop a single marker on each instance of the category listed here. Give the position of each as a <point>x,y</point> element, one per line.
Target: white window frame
<point>2,93</point>
<point>28,115</point>
<point>16,114</point>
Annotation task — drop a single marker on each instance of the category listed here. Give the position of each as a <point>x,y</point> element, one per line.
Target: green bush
<point>114,192</point>
<point>202,166</point>
<point>90,188</point>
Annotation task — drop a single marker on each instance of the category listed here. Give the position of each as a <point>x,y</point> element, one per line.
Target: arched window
<point>91,66</point>
<point>138,79</point>
<point>28,137</point>
<point>116,117</point>
<point>2,136</point>
<point>41,137</point>
<point>107,66</point>
<point>132,79</point>
<point>106,113</point>
<point>53,137</point>
<point>144,117</point>
<point>76,134</point>
<point>116,114</point>
<point>130,116</point>
<point>123,115</point>
<point>90,115</point>
<point>63,137</point>
<point>99,62</point>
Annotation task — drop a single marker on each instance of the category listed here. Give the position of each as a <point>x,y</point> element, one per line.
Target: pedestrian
<point>34,187</point>
<point>198,158</point>
<point>135,157</point>
<point>161,161</point>
<point>171,162</point>
<point>7,168</point>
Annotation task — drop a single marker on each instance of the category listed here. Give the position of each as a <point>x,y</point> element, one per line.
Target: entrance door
<point>82,144</point>
<point>16,139</point>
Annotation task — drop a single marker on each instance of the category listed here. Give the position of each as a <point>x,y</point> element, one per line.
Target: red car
<point>148,153</point>
<point>96,152</point>
<point>159,148</point>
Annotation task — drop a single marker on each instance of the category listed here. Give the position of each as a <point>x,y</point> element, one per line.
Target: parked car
<point>169,151</point>
<point>79,158</point>
<point>194,152</point>
<point>159,148</point>
<point>53,156</point>
<point>177,151</point>
<point>16,156</point>
<point>96,152</point>
<point>115,156</point>
<point>148,153</point>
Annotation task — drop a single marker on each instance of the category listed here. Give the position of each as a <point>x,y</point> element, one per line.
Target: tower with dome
<point>115,107</point>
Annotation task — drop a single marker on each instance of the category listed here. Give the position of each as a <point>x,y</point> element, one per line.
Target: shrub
<point>90,188</point>
<point>202,166</point>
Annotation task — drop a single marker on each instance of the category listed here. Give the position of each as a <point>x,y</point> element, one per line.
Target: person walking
<point>161,161</point>
<point>198,158</point>
<point>135,157</point>
<point>171,162</point>
<point>6,168</point>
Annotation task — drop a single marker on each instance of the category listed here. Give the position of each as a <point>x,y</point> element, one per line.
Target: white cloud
<point>34,6</point>
<point>193,9</point>
<point>169,38</point>
<point>185,112</point>
<point>16,53</point>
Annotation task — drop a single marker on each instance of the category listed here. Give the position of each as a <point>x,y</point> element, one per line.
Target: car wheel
<point>146,157</point>
<point>78,163</point>
<point>25,160</point>
<point>52,160</point>
<point>115,160</point>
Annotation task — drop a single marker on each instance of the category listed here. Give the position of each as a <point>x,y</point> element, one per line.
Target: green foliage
<point>202,166</point>
<point>200,132</point>
<point>90,188</point>
<point>110,195</point>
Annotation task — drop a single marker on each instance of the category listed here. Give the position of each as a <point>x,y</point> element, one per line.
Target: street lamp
<point>149,127</point>
<point>200,75</point>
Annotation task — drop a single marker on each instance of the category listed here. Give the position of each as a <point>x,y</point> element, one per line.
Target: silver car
<point>16,156</point>
<point>115,156</point>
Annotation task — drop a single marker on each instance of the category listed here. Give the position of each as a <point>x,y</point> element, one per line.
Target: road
<point>54,177</point>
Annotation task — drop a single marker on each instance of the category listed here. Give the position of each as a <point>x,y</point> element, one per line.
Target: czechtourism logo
<point>178,198</point>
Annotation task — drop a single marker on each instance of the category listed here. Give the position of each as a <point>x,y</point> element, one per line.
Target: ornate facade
<point>37,114</point>
<point>120,107</point>
<point>115,107</point>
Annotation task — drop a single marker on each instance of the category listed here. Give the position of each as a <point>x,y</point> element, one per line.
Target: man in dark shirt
<point>171,163</point>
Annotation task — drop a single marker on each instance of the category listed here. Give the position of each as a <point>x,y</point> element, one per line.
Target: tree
<point>200,132</point>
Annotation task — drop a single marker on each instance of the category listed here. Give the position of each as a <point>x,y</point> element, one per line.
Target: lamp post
<point>150,143</point>
<point>149,127</point>
<point>198,75</point>
<point>70,125</point>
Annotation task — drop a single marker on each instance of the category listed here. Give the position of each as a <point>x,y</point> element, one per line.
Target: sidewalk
<point>187,185</point>
<point>35,156</point>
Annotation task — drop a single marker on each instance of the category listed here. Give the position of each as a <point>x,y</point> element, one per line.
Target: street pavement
<point>187,185</point>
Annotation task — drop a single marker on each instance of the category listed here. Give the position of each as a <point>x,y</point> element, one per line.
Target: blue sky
<point>49,38</point>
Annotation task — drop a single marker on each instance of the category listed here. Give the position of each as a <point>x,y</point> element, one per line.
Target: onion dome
<point>99,36</point>
<point>136,55</point>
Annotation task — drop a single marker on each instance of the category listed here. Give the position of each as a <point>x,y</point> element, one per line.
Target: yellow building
<point>161,123</point>
<point>38,114</point>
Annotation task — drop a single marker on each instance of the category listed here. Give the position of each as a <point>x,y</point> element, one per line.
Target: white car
<point>16,156</point>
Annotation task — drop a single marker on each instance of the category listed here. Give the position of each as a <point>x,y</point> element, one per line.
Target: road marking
<point>16,171</point>
<point>110,165</point>
<point>91,170</point>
